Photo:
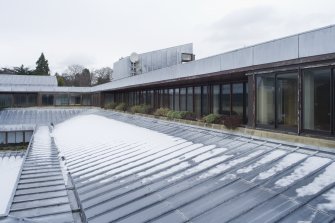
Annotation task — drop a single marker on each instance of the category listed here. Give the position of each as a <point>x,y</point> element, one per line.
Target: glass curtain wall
<point>316,99</point>
<point>5,100</point>
<point>171,98</point>
<point>287,100</point>
<point>190,99</point>
<point>216,99</point>
<point>183,105</point>
<point>176,99</point>
<point>237,99</point>
<point>225,99</point>
<point>204,101</point>
<point>197,100</point>
<point>265,99</point>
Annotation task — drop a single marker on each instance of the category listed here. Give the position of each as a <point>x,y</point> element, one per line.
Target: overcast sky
<point>96,33</point>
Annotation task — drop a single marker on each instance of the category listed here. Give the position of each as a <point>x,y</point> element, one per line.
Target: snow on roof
<point>136,169</point>
<point>28,80</point>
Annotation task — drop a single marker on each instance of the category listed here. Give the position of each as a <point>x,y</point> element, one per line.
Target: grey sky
<point>96,33</point>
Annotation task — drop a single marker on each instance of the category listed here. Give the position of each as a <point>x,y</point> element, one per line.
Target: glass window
<point>47,99</point>
<point>62,99</point>
<point>11,137</point>
<point>237,99</point>
<point>2,138</point>
<point>5,100</point>
<point>183,99</point>
<point>287,99</point>
<point>161,98</point>
<point>197,101</point>
<point>246,103</point>
<point>27,136</point>
<point>176,99</point>
<point>204,100</point>
<point>190,99</point>
<point>32,100</point>
<point>171,98</point>
<point>265,99</point>
<point>19,137</point>
<point>316,90</point>
<point>166,98</point>
<point>216,99</point>
<point>225,99</point>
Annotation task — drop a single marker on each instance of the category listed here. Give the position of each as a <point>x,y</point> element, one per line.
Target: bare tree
<point>102,75</point>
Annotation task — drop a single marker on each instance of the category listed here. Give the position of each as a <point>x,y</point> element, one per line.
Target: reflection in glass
<point>316,93</point>
<point>225,103</point>
<point>204,100</point>
<point>265,99</point>
<point>176,99</point>
<point>287,100</point>
<point>171,98</point>
<point>183,99</point>
<point>197,101</point>
<point>216,99</point>
<point>190,99</point>
<point>237,99</point>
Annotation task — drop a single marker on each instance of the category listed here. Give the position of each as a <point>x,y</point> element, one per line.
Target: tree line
<point>75,75</point>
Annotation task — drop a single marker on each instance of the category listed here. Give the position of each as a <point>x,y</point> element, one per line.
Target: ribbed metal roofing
<point>41,193</point>
<point>28,80</point>
<point>15,118</point>
<point>156,171</point>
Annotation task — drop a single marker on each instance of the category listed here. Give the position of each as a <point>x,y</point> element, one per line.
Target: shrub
<point>212,119</point>
<point>232,122</point>
<point>144,109</point>
<point>173,115</point>
<point>181,115</point>
<point>121,107</point>
<point>111,105</point>
<point>162,112</point>
<point>188,115</point>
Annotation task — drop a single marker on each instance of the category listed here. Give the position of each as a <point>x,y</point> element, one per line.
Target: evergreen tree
<point>42,66</point>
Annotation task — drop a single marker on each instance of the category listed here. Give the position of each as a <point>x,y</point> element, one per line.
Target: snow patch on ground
<point>9,170</point>
<point>266,159</point>
<point>285,162</point>
<point>305,168</point>
<point>321,181</point>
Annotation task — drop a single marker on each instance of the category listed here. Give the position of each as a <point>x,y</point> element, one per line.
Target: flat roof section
<point>135,169</point>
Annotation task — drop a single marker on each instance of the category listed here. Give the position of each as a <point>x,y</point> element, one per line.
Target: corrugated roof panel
<point>162,172</point>
<point>28,80</point>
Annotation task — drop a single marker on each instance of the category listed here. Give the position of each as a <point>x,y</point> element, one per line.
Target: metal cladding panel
<point>277,50</point>
<point>317,42</point>
<point>207,65</point>
<point>236,59</point>
<point>121,68</point>
<point>152,61</point>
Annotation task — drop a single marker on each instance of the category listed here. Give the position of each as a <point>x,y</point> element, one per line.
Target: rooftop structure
<point>169,172</point>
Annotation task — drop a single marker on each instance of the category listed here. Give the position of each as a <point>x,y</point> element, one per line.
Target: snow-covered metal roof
<point>127,168</point>
<point>41,193</point>
<point>131,169</point>
<point>15,118</point>
<point>28,80</point>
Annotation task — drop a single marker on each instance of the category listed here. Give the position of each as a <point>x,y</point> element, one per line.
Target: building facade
<point>284,85</point>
